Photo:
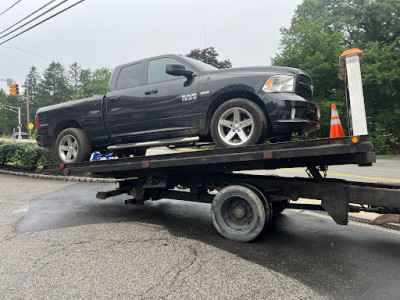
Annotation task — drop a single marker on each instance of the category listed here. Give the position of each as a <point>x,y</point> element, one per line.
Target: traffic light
<point>1,106</point>
<point>12,90</point>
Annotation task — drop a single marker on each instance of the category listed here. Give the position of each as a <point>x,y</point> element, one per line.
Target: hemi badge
<point>204,93</point>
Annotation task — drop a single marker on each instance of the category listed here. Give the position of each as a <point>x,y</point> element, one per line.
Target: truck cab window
<point>130,76</point>
<point>156,71</point>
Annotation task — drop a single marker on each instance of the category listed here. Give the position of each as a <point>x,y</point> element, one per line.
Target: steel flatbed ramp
<point>311,153</point>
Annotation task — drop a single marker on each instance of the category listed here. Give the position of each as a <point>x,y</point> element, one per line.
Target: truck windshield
<point>200,64</point>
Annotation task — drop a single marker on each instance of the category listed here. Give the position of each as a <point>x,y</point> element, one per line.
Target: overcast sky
<point>100,33</point>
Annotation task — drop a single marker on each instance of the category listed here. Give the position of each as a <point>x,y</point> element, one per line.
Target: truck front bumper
<point>290,113</point>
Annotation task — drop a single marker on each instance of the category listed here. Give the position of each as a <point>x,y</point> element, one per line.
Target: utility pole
<point>27,110</point>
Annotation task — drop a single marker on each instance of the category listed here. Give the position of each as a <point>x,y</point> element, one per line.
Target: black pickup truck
<point>170,99</point>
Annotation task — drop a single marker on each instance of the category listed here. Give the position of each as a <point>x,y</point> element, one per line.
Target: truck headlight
<point>279,83</point>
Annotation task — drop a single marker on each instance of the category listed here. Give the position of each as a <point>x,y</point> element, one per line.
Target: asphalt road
<point>58,241</point>
<point>385,170</point>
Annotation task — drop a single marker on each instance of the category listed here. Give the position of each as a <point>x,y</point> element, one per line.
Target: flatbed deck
<point>310,154</point>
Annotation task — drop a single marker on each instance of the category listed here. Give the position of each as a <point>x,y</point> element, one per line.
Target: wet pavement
<point>169,249</point>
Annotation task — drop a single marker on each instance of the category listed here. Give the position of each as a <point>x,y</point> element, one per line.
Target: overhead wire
<point>41,22</point>
<point>26,51</point>
<point>7,34</point>
<point>31,14</point>
<point>2,13</point>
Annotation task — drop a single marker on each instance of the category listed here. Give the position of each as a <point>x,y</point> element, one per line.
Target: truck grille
<point>304,86</point>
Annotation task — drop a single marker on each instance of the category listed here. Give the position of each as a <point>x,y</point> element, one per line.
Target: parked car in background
<point>170,99</point>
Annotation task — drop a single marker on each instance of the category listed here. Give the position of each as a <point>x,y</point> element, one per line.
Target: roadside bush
<point>24,155</point>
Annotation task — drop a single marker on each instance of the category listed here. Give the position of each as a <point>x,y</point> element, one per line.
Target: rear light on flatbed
<point>37,123</point>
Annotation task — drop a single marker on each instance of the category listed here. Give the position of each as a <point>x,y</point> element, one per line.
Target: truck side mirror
<point>178,70</point>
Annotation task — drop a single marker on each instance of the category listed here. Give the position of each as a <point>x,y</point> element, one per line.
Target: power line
<point>2,37</point>
<point>28,16</point>
<point>10,7</point>
<point>42,22</point>
<point>26,51</point>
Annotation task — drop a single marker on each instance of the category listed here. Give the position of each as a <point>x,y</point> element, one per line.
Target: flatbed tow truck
<point>242,205</point>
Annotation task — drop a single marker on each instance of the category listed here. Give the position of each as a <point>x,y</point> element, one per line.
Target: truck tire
<point>238,213</point>
<point>268,205</point>
<point>238,122</point>
<point>72,146</point>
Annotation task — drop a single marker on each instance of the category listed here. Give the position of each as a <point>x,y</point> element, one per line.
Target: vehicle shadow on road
<point>311,249</point>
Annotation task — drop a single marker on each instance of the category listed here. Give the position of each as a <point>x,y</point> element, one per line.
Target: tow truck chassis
<point>241,204</point>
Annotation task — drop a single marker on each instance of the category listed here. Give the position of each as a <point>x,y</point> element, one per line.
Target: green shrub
<point>24,155</point>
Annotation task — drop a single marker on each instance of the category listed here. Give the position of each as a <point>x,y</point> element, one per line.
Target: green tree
<point>98,82</point>
<point>32,81</point>
<point>74,77</point>
<point>306,46</point>
<point>8,119</point>
<point>54,87</point>
<point>321,30</point>
<point>93,83</point>
<point>359,21</point>
<point>209,56</point>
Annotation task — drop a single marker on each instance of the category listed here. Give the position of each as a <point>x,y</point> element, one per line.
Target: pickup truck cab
<point>170,99</point>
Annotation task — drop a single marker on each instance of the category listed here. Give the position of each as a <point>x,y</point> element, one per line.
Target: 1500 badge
<point>189,97</point>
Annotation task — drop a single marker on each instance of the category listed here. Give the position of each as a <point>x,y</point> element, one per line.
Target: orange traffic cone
<point>336,126</point>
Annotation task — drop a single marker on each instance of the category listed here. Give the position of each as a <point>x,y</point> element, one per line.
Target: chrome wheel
<point>68,148</point>
<point>235,126</point>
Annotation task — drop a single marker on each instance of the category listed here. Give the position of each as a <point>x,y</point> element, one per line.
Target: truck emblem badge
<point>204,93</point>
<point>189,97</point>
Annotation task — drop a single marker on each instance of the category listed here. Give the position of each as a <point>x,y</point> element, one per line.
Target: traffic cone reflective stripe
<point>336,126</point>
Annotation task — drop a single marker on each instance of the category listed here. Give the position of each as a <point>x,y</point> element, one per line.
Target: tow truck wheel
<point>72,146</point>
<point>268,205</point>
<point>238,213</point>
<point>238,122</point>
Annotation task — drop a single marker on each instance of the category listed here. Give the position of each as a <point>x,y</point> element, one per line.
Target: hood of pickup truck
<point>266,70</point>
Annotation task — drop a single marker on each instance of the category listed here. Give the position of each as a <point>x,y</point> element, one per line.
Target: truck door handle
<point>151,92</point>
<point>114,99</point>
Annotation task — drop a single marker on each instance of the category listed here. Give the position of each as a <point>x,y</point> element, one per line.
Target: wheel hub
<point>239,212</point>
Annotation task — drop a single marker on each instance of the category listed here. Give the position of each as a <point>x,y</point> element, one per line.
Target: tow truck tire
<point>238,122</point>
<point>238,213</point>
<point>269,212</point>
<point>72,146</point>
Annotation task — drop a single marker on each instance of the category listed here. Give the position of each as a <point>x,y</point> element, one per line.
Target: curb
<point>58,177</point>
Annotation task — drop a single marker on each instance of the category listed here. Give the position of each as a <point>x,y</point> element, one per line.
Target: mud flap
<point>335,202</point>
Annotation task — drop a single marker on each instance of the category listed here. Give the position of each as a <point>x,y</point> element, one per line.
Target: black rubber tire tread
<point>84,148</point>
<point>268,206</point>
<point>260,122</point>
<point>253,199</point>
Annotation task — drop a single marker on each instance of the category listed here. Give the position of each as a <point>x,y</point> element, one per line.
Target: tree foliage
<point>321,30</point>
<point>209,56</point>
